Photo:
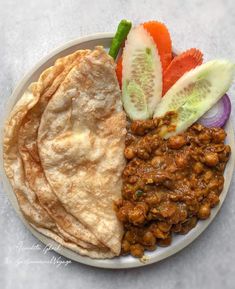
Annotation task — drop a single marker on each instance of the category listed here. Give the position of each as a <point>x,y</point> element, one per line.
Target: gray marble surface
<point>31,29</point>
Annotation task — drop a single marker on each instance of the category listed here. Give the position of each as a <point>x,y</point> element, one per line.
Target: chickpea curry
<point>168,185</point>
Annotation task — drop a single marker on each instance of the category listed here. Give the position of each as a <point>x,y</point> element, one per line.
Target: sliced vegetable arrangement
<point>154,83</point>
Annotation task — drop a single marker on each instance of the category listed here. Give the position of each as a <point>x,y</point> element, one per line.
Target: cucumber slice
<point>141,75</point>
<point>196,92</point>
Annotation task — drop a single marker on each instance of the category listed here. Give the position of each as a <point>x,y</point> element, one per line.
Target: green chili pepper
<point>139,193</point>
<point>119,37</point>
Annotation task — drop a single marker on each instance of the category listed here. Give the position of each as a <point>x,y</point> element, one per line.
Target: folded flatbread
<point>82,145</point>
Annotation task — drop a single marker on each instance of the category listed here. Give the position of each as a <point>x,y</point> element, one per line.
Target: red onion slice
<point>218,114</point>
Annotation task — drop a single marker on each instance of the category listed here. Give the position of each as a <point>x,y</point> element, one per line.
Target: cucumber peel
<point>122,31</point>
<point>195,93</point>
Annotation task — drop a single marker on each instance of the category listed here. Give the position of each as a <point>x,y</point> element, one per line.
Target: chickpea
<point>198,167</point>
<point>204,137</point>
<point>133,179</point>
<point>164,242</point>
<point>129,153</point>
<point>194,207</point>
<point>193,181</point>
<point>184,230</point>
<point>188,225</point>
<point>129,139</point>
<point>176,142</point>
<point>213,184</point>
<point>181,161</point>
<point>125,246</point>
<point>127,191</point>
<point>204,212</point>
<point>164,227</point>
<point>146,143</point>
<point>136,162</point>
<point>175,197</point>
<point>220,183</point>
<point>137,250</point>
<point>211,159</point>
<point>136,217</point>
<point>155,142</point>
<point>149,239</point>
<point>223,156</point>
<point>176,228</point>
<point>129,170</point>
<point>208,175</point>
<point>213,199</point>
<point>143,206</point>
<point>138,214</point>
<point>182,215</point>
<point>193,222</point>
<point>227,150</point>
<point>137,127</point>
<point>142,154</point>
<point>149,180</point>
<point>200,194</point>
<point>152,199</point>
<point>168,184</point>
<point>122,214</point>
<point>160,177</point>
<point>168,210</point>
<point>131,237</point>
<point>151,248</point>
<point>158,233</point>
<point>219,136</point>
<point>157,161</point>
<point>172,168</point>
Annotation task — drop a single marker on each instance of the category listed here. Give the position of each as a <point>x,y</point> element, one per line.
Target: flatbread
<point>14,164</point>
<point>27,142</point>
<point>39,204</point>
<point>81,143</point>
<point>95,253</point>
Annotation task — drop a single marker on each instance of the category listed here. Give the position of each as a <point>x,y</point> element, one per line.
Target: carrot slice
<point>119,71</point>
<point>161,37</point>
<point>179,65</point>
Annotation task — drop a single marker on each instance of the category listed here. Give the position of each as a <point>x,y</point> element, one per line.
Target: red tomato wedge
<point>179,65</point>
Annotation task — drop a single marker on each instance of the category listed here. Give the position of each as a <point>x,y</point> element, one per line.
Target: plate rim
<point>100,263</point>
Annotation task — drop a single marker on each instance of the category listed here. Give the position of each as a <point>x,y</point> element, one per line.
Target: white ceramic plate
<point>179,241</point>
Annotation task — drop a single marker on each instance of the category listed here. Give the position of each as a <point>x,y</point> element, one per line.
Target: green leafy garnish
<point>139,193</point>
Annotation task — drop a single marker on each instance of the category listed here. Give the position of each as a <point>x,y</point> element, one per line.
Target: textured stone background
<point>31,29</point>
